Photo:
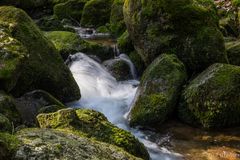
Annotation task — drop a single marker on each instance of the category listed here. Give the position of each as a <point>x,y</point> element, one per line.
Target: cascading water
<point>100,91</point>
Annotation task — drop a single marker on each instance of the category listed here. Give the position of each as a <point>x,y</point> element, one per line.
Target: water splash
<point>100,91</point>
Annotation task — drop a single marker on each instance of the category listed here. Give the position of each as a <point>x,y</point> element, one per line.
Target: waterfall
<point>100,91</point>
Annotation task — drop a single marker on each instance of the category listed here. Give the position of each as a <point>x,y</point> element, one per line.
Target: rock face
<point>125,44</point>
<point>233,52</point>
<point>95,125</point>
<point>70,43</point>
<point>96,13</point>
<point>158,91</point>
<point>34,59</point>
<point>50,144</point>
<point>212,98</point>
<point>187,28</point>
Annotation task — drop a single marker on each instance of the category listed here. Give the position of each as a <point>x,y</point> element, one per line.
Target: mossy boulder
<point>96,13</point>
<point>8,145</point>
<point>45,144</point>
<point>158,91</point>
<point>211,100</point>
<point>119,69</point>
<point>94,125</point>
<point>125,44</point>
<point>187,28</point>
<point>8,109</point>
<point>233,52</point>
<point>117,24</point>
<point>68,43</point>
<point>13,54</point>
<point>43,68</point>
<point>71,9</point>
<point>31,104</point>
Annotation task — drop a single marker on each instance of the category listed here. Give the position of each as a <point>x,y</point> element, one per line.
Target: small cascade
<point>100,91</point>
<point>133,69</point>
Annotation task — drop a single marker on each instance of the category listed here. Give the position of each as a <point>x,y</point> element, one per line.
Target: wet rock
<point>233,52</point>
<point>5,124</point>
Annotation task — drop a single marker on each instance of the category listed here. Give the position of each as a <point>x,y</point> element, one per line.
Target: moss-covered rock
<point>188,28</point>
<point>158,91</point>
<point>233,52</point>
<point>51,23</point>
<point>5,125</point>
<point>12,54</point>
<point>45,144</point>
<point>43,67</point>
<point>70,43</point>
<point>25,4</point>
<point>211,100</point>
<point>96,13</point>
<point>119,69</point>
<point>8,145</point>
<point>95,125</point>
<point>8,108</point>
<point>125,44</point>
<point>71,9</point>
<point>117,24</point>
<point>31,104</point>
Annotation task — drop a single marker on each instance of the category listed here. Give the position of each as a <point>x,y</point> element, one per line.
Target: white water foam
<point>100,91</point>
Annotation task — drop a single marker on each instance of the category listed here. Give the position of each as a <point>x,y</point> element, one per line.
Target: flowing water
<point>100,91</point>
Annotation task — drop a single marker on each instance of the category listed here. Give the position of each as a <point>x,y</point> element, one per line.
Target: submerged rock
<point>68,43</point>
<point>94,125</point>
<point>158,91</point>
<point>51,144</point>
<point>187,28</point>
<point>212,99</point>
<point>119,69</point>
<point>41,67</point>
<point>96,13</point>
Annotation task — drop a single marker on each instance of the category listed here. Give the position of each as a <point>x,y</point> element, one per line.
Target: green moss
<point>70,43</point>
<point>5,124</point>
<point>102,29</point>
<point>94,125</point>
<point>96,13</point>
<point>212,99</point>
<point>8,145</point>
<point>71,9</point>
<point>117,24</point>
<point>158,91</point>
<point>8,109</point>
<point>44,67</point>
<point>187,28</point>
<point>125,43</point>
